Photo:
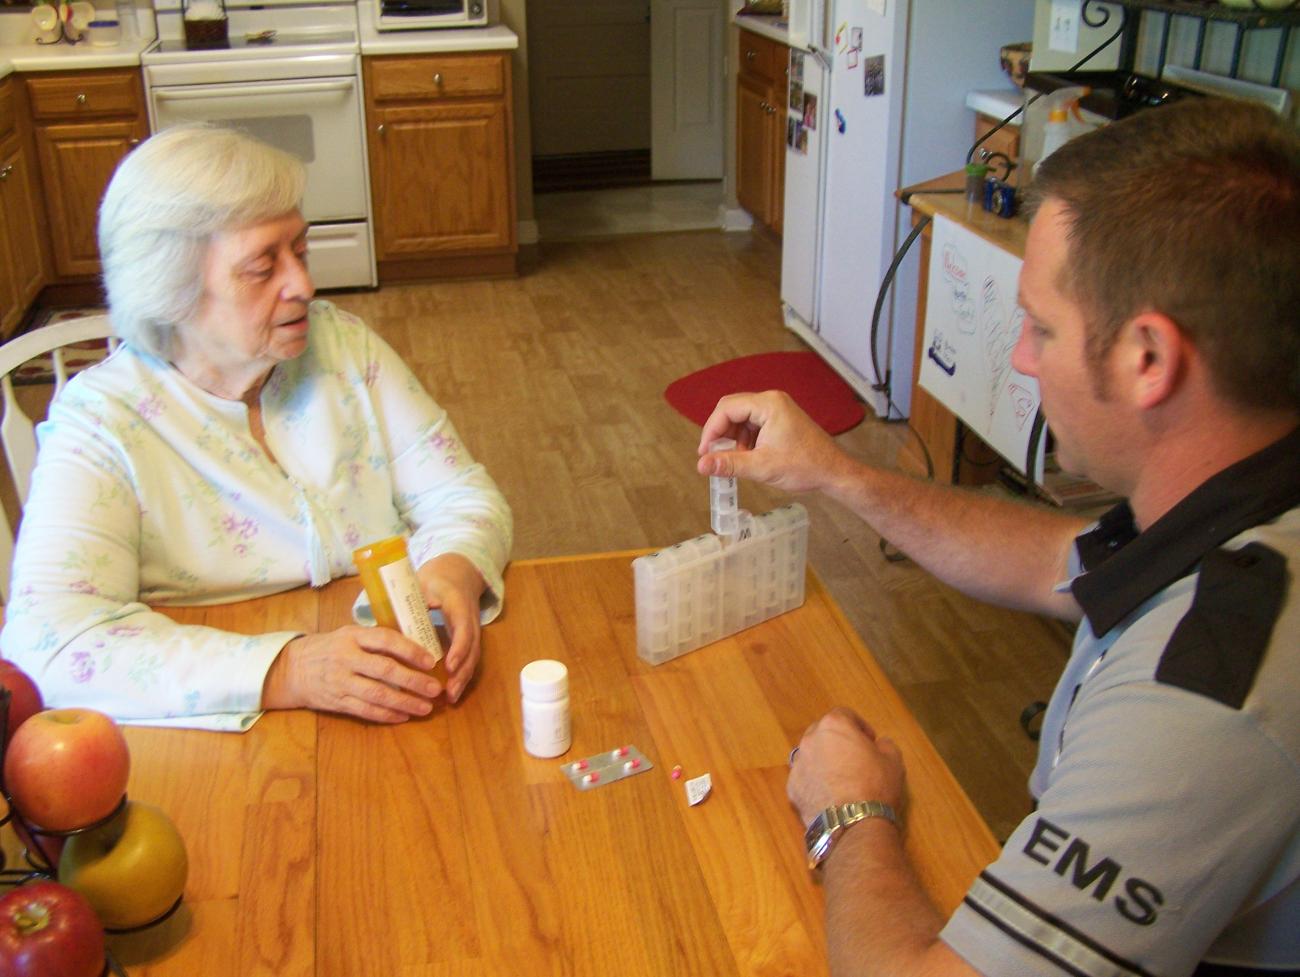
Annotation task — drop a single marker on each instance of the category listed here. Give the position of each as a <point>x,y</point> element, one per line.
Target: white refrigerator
<point>889,80</point>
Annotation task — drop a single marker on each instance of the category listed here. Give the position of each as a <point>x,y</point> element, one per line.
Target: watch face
<point>817,840</point>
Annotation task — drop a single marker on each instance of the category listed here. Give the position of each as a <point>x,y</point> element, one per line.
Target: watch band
<point>826,827</point>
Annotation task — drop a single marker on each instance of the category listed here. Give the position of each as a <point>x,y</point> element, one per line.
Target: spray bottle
<point>1064,121</point>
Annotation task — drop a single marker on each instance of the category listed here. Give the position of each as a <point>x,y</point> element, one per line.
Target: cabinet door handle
<point>750,55</point>
<point>437,78</point>
<point>133,143</point>
<point>4,173</point>
<point>81,99</point>
<point>380,128</point>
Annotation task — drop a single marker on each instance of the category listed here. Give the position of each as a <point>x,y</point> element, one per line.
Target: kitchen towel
<point>815,387</point>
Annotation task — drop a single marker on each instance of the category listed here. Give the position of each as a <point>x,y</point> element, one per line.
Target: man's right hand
<point>372,673</point>
<point>788,449</point>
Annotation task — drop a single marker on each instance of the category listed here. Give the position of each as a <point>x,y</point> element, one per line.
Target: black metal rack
<point>1203,12</point>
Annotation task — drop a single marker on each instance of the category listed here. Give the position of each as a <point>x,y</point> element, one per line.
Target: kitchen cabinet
<point>23,265</point>
<point>441,145</point>
<point>85,123</point>
<point>761,96</point>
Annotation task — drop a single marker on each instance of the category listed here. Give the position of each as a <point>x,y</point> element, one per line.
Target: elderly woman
<point>243,440</point>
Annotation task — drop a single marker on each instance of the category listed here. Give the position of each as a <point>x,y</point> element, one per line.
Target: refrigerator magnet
<point>873,75</point>
<point>809,111</point>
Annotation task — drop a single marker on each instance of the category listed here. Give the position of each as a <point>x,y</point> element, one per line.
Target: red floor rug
<point>815,387</point>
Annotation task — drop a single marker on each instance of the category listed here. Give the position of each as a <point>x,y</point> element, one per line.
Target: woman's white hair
<point>163,206</point>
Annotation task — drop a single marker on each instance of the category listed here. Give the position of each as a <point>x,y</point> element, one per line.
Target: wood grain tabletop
<point>326,847</point>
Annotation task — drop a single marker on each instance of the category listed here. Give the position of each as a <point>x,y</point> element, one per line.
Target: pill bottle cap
<point>545,680</point>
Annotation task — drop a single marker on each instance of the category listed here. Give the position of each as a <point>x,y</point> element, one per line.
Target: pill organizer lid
<point>544,679</point>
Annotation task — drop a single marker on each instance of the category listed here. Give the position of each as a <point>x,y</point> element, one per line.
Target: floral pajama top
<point>149,490</point>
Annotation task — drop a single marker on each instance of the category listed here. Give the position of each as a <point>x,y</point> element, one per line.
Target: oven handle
<point>223,91</point>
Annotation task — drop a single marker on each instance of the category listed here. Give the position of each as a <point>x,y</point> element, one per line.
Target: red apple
<point>25,697</point>
<point>48,930</point>
<point>131,870</point>
<point>67,768</point>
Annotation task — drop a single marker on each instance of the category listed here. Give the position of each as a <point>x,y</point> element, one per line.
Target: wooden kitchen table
<point>329,847</point>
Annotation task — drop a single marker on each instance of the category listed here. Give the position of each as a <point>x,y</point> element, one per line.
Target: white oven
<point>291,77</point>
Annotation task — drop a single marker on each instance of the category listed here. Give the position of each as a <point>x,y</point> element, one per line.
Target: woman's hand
<point>372,673</point>
<point>453,584</point>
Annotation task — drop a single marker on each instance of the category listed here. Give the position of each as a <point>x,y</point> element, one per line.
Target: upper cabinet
<point>441,144</point>
<point>85,122</point>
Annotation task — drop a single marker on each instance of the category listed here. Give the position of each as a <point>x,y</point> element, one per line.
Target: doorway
<point>626,105</point>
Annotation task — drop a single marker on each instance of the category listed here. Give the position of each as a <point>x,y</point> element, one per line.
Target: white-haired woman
<point>243,440</point>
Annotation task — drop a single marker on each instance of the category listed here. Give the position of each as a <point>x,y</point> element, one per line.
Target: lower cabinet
<point>85,122</point>
<point>23,263</point>
<point>440,139</point>
<point>761,95</point>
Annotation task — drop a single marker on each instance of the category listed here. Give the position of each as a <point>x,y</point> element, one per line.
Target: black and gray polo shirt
<point>1167,831</point>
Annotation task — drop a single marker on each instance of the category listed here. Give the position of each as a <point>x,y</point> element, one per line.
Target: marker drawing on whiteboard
<point>958,279</point>
<point>942,354</point>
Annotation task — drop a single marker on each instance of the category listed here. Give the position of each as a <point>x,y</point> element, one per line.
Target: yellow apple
<point>131,870</point>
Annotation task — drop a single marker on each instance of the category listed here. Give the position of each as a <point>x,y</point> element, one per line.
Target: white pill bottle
<point>544,688</point>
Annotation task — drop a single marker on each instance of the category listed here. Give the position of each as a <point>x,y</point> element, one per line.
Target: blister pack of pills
<point>607,767</point>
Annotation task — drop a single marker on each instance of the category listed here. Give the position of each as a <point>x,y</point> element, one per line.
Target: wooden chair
<point>17,432</point>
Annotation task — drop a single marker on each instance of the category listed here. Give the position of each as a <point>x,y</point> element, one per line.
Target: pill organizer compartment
<point>707,588</point>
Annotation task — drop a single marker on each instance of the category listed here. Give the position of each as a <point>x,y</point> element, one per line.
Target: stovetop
<point>265,39</point>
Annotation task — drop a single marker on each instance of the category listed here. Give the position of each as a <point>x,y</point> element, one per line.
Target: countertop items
<point>18,52</point>
<point>439,41</point>
<point>773,27</point>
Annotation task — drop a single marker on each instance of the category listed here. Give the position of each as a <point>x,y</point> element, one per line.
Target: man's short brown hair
<point>1192,210</point>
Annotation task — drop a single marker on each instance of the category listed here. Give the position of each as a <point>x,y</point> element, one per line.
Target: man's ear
<point>1157,355</point>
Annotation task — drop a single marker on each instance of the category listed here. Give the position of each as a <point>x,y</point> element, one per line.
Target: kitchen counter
<point>18,52</point>
<point>772,27</point>
<point>495,38</point>
<point>70,57</point>
<point>997,103</point>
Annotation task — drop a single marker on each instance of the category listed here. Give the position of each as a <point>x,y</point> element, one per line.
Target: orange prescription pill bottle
<point>394,592</point>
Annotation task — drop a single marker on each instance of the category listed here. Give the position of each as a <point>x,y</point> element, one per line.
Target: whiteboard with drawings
<point>972,322</point>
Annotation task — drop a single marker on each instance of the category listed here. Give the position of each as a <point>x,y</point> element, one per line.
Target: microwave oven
<point>407,15</point>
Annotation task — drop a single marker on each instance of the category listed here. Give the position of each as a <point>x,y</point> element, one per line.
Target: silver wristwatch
<point>821,834</point>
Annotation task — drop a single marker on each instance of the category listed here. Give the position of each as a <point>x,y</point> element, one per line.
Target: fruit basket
<point>93,862</point>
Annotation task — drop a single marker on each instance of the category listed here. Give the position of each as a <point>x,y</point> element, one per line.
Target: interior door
<point>589,76</point>
<point>686,75</point>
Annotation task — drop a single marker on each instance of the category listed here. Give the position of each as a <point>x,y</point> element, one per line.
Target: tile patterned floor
<point>654,208</point>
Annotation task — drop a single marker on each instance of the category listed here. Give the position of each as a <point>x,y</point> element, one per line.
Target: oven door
<point>317,120</point>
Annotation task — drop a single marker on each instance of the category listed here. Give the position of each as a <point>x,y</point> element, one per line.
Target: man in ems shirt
<point>1160,285</point>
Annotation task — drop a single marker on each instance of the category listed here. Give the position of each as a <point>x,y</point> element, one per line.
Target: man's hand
<point>788,449</point>
<point>373,673</point>
<point>841,759</point>
<point>453,584</point>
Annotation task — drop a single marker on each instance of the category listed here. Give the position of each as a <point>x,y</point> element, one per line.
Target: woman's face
<point>253,311</point>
